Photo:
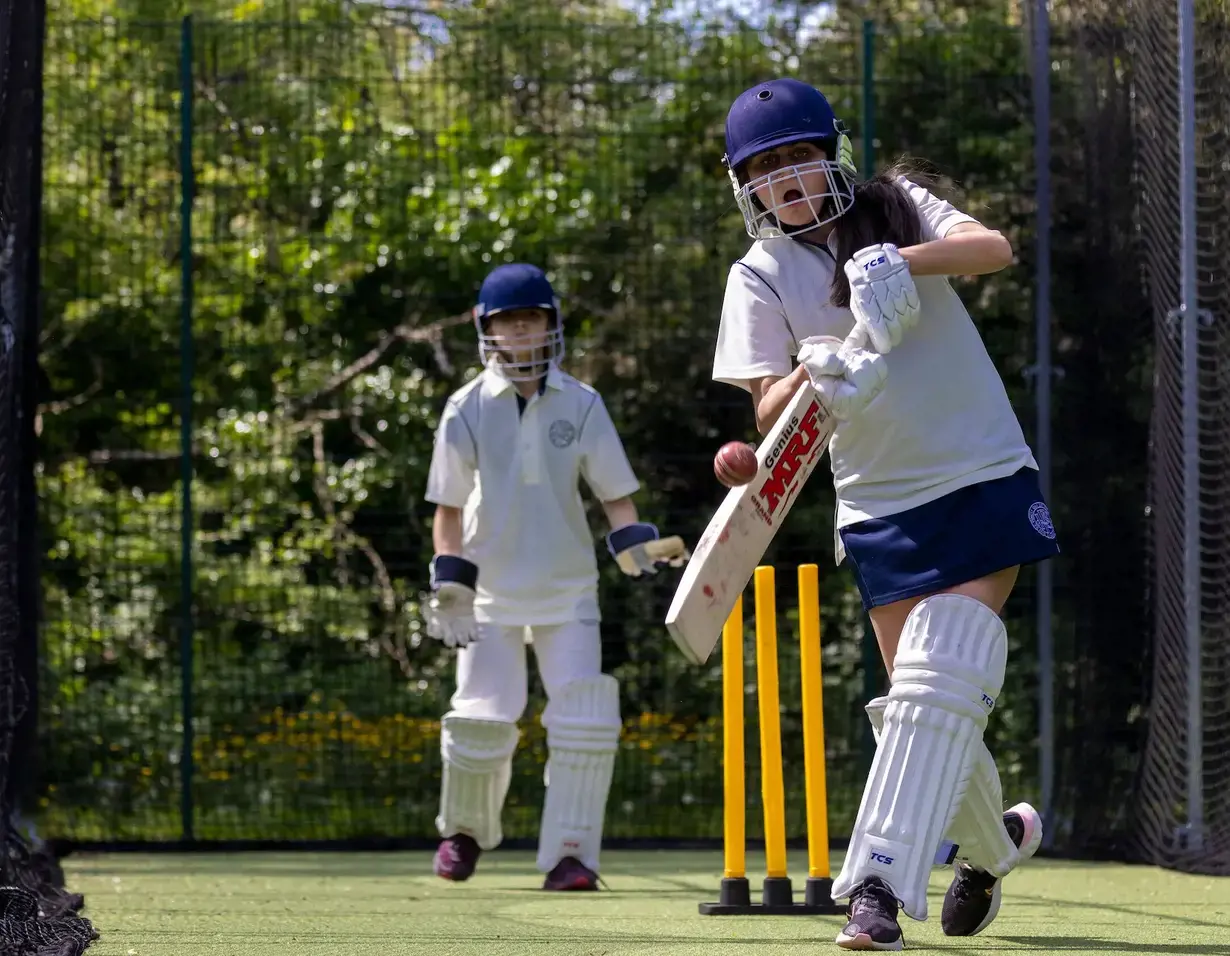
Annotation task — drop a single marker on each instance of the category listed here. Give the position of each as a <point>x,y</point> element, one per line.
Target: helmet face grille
<point>497,354</point>
<point>820,188</point>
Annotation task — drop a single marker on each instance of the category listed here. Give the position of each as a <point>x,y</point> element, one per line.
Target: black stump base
<point>776,899</point>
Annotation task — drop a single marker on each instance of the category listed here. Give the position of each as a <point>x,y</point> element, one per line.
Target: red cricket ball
<point>735,464</point>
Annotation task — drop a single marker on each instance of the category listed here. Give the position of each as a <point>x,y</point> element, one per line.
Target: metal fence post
<point>1189,311</point>
<point>1043,377</point>
<point>186,347</point>
<point>869,97</point>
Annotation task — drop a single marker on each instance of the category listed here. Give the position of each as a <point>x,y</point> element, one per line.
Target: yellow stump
<point>813,722</point>
<point>776,895</point>
<point>732,744</point>
<point>773,788</point>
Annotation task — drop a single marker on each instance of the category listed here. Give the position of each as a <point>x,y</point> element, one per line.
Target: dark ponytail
<point>882,212</point>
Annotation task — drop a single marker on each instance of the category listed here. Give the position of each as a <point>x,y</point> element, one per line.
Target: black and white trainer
<point>872,912</point>
<point>973,898</point>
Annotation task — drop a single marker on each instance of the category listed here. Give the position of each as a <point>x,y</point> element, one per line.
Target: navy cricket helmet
<point>778,113</point>
<point>513,287</point>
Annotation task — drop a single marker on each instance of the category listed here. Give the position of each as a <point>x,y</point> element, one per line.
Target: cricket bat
<point>741,531</point>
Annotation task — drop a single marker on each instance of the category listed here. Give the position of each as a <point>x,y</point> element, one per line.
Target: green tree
<point>355,178</point>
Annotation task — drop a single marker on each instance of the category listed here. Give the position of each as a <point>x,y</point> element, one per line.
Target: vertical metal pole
<point>871,652</point>
<point>186,346</point>
<point>1045,596</point>
<point>869,98</point>
<point>1189,311</point>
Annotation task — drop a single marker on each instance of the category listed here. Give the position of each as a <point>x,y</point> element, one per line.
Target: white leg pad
<point>947,673</point>
<point>583,724</point>
<point>977,834</point>
<point>948,848</point>
<point>983,840</point>
<point>477,756</point>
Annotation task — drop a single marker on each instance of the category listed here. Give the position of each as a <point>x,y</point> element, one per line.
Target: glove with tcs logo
<point>883,297</point>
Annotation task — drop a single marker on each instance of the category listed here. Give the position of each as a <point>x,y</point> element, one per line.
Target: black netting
<point>38,917</point>
<point>1166,834</point>
<point>354,179</point>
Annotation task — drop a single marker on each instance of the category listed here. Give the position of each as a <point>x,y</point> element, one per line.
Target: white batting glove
<point>449,612</point>
<point>847,378</point>
<point>882,295</point>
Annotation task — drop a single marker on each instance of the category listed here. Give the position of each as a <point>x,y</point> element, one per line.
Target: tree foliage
<point>355,176</point>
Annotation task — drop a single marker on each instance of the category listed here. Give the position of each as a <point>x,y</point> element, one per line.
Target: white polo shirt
<point>943,421</point>
<point>515,477</point>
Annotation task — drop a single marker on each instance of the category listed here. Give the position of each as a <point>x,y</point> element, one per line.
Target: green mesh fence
<point>352,182</point>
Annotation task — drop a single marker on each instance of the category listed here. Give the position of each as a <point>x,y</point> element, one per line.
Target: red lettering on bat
<point>778,486</point>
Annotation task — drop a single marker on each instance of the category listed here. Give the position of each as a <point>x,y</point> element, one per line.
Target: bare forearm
<point>446,530</point>
<point>960,254</point>
<point>776,397</point>
<point>620,512</point>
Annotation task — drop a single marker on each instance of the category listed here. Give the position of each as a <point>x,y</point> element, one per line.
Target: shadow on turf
<point>1070,944</point>
<point>1126,911</point>
<point>378,867</point>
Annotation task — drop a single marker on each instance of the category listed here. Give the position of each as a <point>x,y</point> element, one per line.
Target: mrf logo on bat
<point>787,462</point>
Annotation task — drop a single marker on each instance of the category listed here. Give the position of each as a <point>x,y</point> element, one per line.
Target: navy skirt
<point>965,535</point>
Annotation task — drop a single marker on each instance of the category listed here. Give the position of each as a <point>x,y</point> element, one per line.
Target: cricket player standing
<point>514,557</point>
<point>938,502</point>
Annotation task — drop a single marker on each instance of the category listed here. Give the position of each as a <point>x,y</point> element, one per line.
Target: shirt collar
<point>495,384</point>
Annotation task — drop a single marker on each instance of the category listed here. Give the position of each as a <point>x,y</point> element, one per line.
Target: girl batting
<point>938,502</point>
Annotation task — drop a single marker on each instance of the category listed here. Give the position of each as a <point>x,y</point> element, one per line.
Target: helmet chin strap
<point>794,231</point>
<point>800,231</point>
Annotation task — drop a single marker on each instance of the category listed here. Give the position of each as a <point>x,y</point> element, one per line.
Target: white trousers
<point>479,735</point>
<point>492,675</point>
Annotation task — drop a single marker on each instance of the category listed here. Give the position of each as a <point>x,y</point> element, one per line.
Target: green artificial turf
<point>381,904</point>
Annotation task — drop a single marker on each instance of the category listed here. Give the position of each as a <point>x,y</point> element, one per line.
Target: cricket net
<point>1136,49</point>
<point>1163,833</point>
<point>38,916</point>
